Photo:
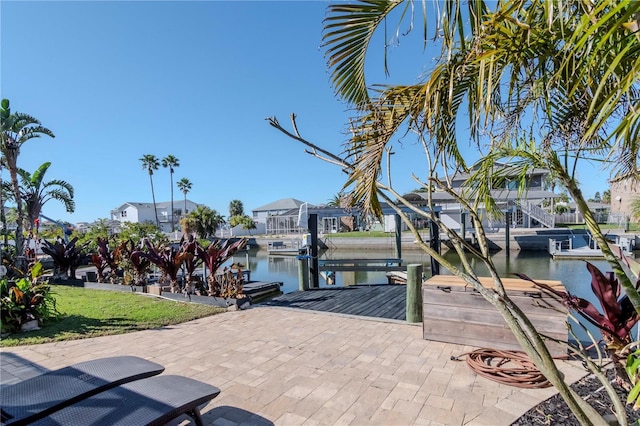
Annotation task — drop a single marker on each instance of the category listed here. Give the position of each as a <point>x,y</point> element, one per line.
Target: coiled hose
<point>513,368</point>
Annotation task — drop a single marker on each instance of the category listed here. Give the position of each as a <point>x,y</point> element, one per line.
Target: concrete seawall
<point>520,239</point>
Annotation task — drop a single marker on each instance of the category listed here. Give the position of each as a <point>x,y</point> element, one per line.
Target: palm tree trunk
<point>173,226</point>
<point>19,240</point>
<point>184,212</point>
<point>153,196</point>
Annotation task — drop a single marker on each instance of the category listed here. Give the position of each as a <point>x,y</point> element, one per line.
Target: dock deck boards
<point>378,300</point>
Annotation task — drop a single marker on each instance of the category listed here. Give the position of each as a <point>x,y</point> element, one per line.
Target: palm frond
<point>347,33</point>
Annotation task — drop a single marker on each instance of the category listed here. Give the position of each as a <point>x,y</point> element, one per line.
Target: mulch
<point>554,411</point>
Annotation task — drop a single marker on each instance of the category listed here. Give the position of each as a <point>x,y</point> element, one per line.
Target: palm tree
<point>36,192</point>
<point>337,200</point>
<point>150,162</point>
<point>16,129</point>
<point>236,208</point>
<point>184,185</point>
<point>543,84</point>
<point>171,162</point>
<point>206,221</point>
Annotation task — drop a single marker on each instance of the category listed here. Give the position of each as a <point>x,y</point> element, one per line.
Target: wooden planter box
<point>455,313</point>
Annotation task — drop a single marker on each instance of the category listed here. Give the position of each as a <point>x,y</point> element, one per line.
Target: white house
<point>276,208</point>
<point>143,212</point>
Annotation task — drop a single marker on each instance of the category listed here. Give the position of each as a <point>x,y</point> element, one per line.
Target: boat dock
<point>585,247</point>
<point>375,300</point>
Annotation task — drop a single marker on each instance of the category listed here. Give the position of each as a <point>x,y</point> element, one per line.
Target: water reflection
<point>537,265</point>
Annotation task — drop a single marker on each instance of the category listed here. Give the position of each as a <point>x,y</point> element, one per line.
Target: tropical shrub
<point>66,257</point>
<point>616,320</point>
<point>218,252</point>
<point>22,301</point>
<point>166,257</point>
<point>133,260</point>
<point>190,250</point>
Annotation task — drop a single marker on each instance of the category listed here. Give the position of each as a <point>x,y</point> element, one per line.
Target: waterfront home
<point>528,209</point>
<point>143,212</point>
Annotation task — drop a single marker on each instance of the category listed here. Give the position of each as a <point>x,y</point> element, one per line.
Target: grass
<point>633,226</point>
<point>91,313</point>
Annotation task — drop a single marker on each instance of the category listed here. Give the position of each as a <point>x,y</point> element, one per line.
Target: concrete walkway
<point>291,367</point>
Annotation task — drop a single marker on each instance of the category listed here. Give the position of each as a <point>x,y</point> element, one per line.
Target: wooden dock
<point>377,300</point>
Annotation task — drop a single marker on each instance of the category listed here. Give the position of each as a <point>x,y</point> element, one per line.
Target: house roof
<point>498,195</point>
<point>162,204</point>
<point>500,166</point>
<point>283,204</point>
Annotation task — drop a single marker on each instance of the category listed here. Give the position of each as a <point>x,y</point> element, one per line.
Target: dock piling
<point>303,273</point>
<point>414,292</point>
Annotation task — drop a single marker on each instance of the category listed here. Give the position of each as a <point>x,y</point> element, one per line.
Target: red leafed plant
<point>190,250</point>
<point>218,252</point>
<point>136,261</point>
<point>108,257</point>
<point>616,320</point>
<point>618,315</point>
<point>168,259</point>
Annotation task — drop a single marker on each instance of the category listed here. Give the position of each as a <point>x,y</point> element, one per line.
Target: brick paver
<point>294,367</point>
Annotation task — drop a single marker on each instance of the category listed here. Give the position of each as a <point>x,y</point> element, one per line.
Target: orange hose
<point>512,368</point>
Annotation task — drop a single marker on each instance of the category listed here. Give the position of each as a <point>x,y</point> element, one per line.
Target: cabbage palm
<point>16,129</point>
<point>236,208</point>
<point>184,185</point>
<point>171,162</point>
<point>206,221</point>
<point>150,163</point>
<point>35,192</point>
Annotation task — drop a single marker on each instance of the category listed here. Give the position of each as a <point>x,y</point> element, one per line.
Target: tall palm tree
<point>184,185</point>
<point>236,208</point>
<point>171,162</point>
<point>150,163</point>
<point>16,129</point>
<point>36,192</point>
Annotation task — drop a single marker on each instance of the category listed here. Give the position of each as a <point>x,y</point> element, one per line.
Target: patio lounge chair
<point>34,398</point>
<point>151,401</point>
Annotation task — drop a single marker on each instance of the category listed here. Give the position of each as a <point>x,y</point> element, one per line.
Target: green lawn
<point>633,227</point>
<point>90,313</point>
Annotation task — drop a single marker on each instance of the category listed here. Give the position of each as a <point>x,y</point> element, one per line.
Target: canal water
<point>535,264</point>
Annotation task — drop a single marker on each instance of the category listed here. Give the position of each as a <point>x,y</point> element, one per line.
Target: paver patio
<point>293,367</point>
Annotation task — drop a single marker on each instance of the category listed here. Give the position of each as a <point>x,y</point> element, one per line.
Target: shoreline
<point>520,239</point>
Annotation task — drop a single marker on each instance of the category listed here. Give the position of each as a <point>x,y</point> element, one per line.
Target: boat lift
<point>66,229</point>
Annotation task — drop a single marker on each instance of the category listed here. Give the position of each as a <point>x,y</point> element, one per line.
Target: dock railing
<point>372,265</point>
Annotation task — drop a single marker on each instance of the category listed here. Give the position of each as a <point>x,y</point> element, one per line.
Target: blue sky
<point>117,80</point>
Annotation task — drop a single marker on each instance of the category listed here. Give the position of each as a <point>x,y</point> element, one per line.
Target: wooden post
<point>507,216</point>
<point>434,243</point>
<point>313,250</point>
<point>303,273</point>
<point>398,237</point>
<point>414,292</point>
<point>463,225</point>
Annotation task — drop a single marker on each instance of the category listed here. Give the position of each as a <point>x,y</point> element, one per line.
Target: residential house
<point>623,193</point>
<point>276,208</point>
<point>330,219</point>
<point>526,208</point>
<point>143,212</point>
